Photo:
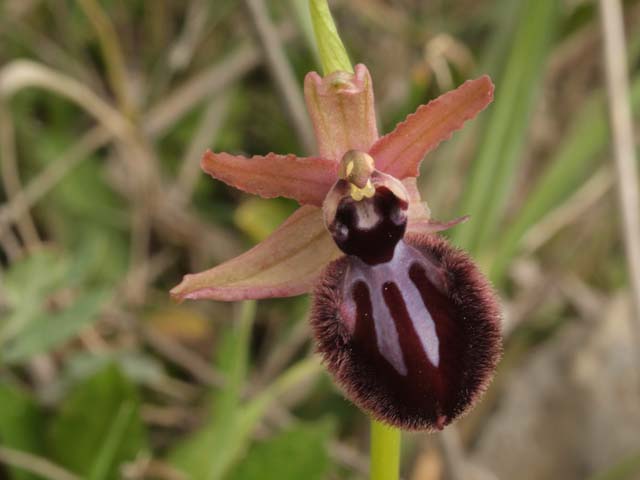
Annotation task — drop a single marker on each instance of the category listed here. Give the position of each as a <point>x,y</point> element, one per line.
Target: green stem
<point>333,55</point>
<point>385,452</point>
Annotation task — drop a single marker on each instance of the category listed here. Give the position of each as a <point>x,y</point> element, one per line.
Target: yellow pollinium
<point>356,168</point>
<point>358,193</point>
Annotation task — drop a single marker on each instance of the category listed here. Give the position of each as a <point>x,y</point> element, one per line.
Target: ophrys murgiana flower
<point>406,324</point>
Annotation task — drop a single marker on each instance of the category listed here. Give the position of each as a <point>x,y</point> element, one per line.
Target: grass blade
<point>108,453</point>
<point>572,164</point>
<point>492,174</point>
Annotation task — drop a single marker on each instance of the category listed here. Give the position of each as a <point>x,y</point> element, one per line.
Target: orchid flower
<point>406,324</point>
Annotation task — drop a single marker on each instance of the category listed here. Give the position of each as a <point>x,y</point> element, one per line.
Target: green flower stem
<point>385,452</point>
<point>333,55</point>
<point>385,440</point>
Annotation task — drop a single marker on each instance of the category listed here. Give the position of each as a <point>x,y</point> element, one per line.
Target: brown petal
<point>400,152</point>
<point>306,180</point>
<point>342,111</point>
<point>287,263</point>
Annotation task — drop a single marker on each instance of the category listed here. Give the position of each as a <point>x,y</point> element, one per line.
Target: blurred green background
<point>105,109</point>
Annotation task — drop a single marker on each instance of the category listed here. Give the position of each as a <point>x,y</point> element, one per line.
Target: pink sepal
<point>342,111</point>
<point>306,179</point>
<point>287,263</point>
<point>400,152</point>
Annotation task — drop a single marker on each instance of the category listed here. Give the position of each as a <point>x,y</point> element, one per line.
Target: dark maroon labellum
<point>409,327</point>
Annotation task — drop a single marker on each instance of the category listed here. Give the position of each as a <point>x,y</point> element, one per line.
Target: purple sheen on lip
<point>378,327</point>
<point>382,280</point>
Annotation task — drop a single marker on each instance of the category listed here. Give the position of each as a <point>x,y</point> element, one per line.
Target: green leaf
<point>209,453</point>
<point>46,331</point>
<point>83,195</point>
<point>300,452</point>
<point>98,427</point>
<point>333,55</point>
<point>108,454</point>
<point>82,211</point>
<point>20,426</point>
<point>32,325</point>
<point>27,285</point>
<point>254,410</point>
<point>139,367</point>
<point>35,276</point>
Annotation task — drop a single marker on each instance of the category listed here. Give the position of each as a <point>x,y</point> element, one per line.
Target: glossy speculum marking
<point>398,309</point>
<point>407,324</point>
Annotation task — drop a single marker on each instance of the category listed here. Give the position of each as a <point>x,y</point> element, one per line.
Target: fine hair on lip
<point>466,315</point>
